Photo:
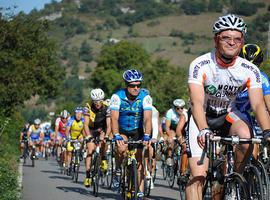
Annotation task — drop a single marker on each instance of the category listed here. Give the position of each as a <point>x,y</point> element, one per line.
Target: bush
<point>245,8</point>
<point>193,7</point>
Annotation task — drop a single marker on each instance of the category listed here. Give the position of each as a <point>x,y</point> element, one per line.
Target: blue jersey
<point>130,112</point>
<point>242,100</point>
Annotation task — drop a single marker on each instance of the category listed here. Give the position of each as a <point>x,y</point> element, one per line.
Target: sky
<point>24,5</point>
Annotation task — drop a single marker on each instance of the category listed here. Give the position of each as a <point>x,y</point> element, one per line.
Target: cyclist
<point>74,130</point>
<point>97,123</point>
<point>48,134</point>
<point>215,79</point>
<point>35,135</point>
<point>131,115</point>
<point>156,129</point>
<point>181,133</point>
<point>172,118</point>
<point>23,137</point>
<point>254,54</point>
<point>60,130</point>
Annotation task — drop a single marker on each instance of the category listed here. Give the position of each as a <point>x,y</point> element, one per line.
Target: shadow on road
<point>161,198</point>
<point>166,186</point>
<point>50,172</point>
<point>60,177</point>
<point>85,192</point>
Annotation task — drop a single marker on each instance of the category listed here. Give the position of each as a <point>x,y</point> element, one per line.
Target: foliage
<point>85,52</point>
<point>9,154</point>
<point>245,8</point>
<point>193,7</point>
<point>28,61</point>
<point>215,5</point>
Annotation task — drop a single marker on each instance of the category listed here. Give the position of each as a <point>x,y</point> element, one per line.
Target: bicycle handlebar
<point>233,140</point>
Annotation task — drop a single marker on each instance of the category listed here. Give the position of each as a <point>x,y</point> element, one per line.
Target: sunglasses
<point>179,108</point>
<point>227,39</point>
<point>134,85</point>
<point>97,102</point>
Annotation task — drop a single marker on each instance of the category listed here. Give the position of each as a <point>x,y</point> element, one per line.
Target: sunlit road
<point>44,182</point>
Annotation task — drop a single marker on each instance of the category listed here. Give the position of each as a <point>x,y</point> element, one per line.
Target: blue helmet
<point>132,75</point>
<point>78,110</point>
<point>47,126</point>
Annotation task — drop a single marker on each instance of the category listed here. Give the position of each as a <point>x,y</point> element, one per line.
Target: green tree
<point>113,61</point>
<point>85,52</point>
<point>28,61</point>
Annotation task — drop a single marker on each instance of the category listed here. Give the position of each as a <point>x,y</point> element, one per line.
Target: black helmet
<point>252,53</point>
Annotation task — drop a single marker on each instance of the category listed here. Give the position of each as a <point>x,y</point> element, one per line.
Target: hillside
<point>155,34</point>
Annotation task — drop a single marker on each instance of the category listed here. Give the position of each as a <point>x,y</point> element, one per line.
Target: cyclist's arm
<point>167,126</point>
<point>180,125</point>
<point>258,107</point>
<point>148,121</point>
<point>267,102</point>
<point>86,125</point>
<point>56,131</point>
<point>67,131</point>
<point>108,123</point>
<point>196,93</point>
<point>114,120</point>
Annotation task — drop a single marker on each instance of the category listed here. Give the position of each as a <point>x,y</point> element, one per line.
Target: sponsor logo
<point>210,89</point>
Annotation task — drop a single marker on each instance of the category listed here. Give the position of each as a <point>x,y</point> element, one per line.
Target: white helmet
<point>37,121</point>
<point>228,22</point>
<point>97,94</point>
<point>64,114</point>
<point>179,103</point>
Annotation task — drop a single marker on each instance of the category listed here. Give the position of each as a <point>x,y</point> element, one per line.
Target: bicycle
<point>25,150</point>
<point>75,159</point>
<point>235,185</point>
<point>110,154</point>
<point>33,154</point>
<point>129,174</point>
<point>95,168</point>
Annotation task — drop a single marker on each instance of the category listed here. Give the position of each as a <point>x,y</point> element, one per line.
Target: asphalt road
<point>44,182</point>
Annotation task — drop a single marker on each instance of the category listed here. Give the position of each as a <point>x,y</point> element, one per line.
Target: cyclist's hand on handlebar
<point>146,139</point>
<point>201,136</point>
<point>266,134</point>
<point>161,139</point>
<point>119,139</point>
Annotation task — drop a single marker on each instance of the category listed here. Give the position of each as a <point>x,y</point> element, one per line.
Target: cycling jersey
<point>34,132</point>
<point>24,134</point>
<point>130,112</point>
<point>242,100</point>
<point>47,134</point>
<point>221,86</point>
<point>61,127</point>
<point>173,116</point>
<point>97,116</point>
<point>76,127</point>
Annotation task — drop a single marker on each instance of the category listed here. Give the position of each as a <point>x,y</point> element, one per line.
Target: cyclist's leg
<point>240,127</point>
<point>69,153</point>
<point>104,163</point>
<point>88,160</point>
<point>170,143</point>
<point>121,152</point>
<point>140,168</point>
<point>194,188</point>
<point>184,160</point>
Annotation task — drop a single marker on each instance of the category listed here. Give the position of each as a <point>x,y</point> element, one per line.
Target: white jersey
<point>155,119</point>
<point>221,85</point>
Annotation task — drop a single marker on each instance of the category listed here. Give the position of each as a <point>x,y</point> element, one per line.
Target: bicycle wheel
<point>147,180</point>
<point>264,178</point>
<point>110,171</point>
<point>235,187</point>
<point>133,177</point>
<point>96,175</point>
<point>170,175</point>
<point>25,149</point>
<point>33,156</point>
<point>76,167</point>
<point>253,177</point>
